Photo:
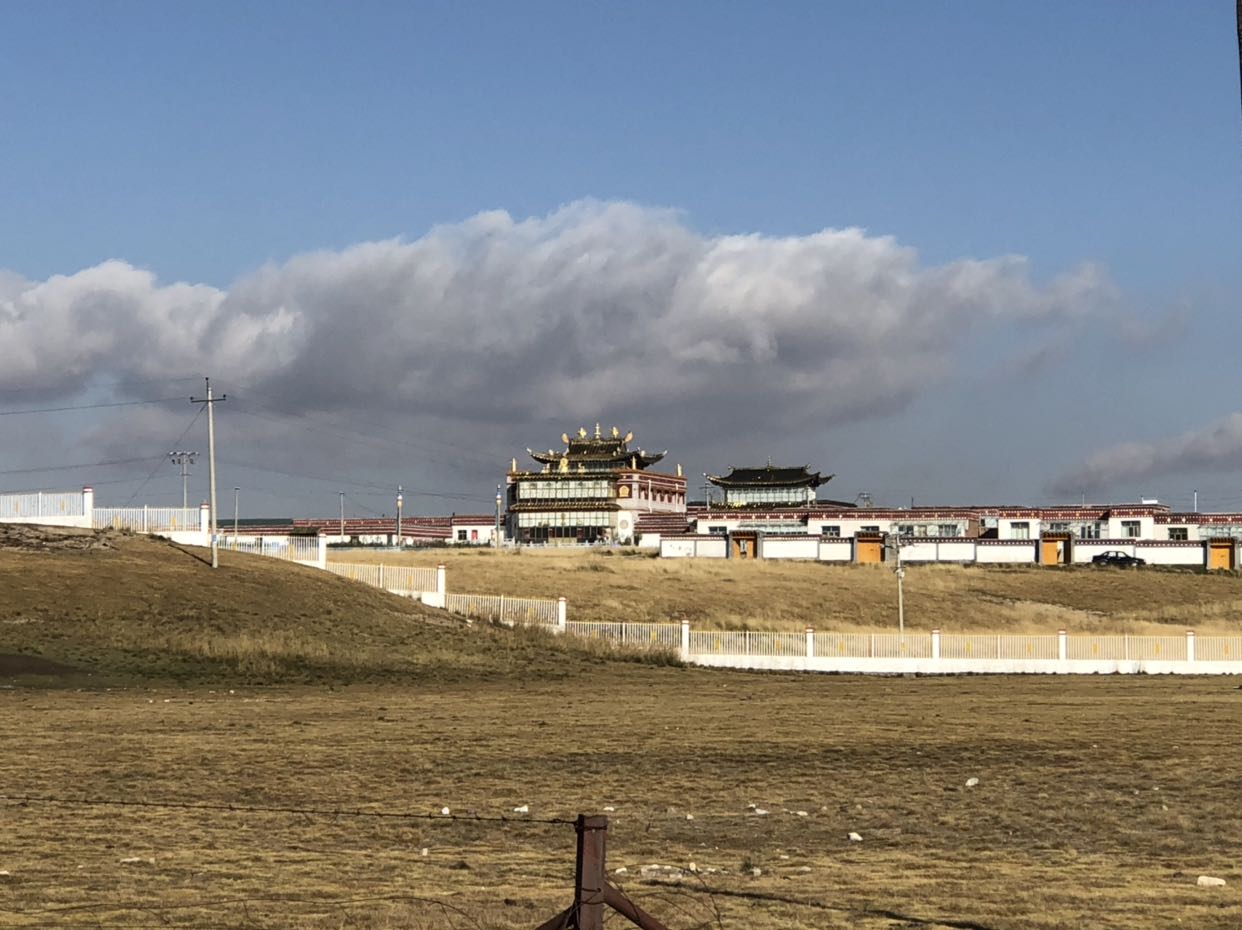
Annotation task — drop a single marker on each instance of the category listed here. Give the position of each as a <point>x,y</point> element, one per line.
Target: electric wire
<point>99,406</point>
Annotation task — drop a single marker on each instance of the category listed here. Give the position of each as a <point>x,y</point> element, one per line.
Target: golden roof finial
<point>616,433</point>
<point>565,438</point>
<point>582,433</point>
<point>598,435</point>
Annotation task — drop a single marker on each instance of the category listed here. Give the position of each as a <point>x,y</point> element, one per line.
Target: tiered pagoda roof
<point>585,452</point>
<point>770,476</point>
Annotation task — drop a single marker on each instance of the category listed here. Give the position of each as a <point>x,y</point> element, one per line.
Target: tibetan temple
<point>769,486</point>
<point>591,491</point>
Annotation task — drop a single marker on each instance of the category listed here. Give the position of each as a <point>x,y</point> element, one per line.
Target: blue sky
<point>206,144</point>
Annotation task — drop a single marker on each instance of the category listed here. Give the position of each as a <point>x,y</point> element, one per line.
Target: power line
<point>104,464</point>
<point>279,809</point>
<point>115,403</point>
<point>159,464</point>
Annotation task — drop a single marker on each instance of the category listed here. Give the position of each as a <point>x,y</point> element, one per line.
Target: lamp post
<point>342,493</point>
<point>400,502</point>
<point>184,460</point>
<point>496,532</point>
<point>236,497</point>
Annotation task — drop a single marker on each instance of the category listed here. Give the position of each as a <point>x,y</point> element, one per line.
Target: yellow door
<point>1220,557</point>
<point>1051,554</point>
<point>870,551</point>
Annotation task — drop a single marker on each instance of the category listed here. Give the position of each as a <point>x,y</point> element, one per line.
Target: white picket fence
<point>35,504</point>
<point>398,579</point>
<point>146,519</point>
<point>631,635</point>
<point>304,549</point>
<point>500,608</point>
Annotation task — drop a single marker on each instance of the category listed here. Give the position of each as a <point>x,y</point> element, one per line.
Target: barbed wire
<point>337,811</point>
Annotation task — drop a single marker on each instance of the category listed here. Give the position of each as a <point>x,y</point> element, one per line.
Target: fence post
<point>39,505</point>
<point>501,618</point>
<point>204,518</point>
<point>1062,649</point>
<point>323,550</point>
<point>144,518</point>
<point>935,644</point>
<point>1190,645</point>
<point>810,642</point>
<point>685,640</point>
<point>88,505</point>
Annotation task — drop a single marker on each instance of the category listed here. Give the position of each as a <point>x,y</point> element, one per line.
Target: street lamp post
<point>342,493</point>
<point>400,502</point>
<point>236,496</point>
<point>496,532</point>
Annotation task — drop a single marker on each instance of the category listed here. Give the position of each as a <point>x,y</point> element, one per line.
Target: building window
<point>1130,529</point>
<point>1179,533</point>
<point>833,531</point>
<point>949,529</point>
<point>869,529</point>
<point>1089,531</point>
<point>905,529</point>
<point>1020,530</point>
<point>1058,527</point>
<point>461,535</point>
<point>718,530</point>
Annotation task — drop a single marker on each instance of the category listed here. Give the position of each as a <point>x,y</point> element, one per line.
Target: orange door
<point>870,551</point>
<point>1220,557</point>
<point>1051,552</point>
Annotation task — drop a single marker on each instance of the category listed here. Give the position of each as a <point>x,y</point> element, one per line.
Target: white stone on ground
<point>445,811</point>
<point>756,872</point>
<point>854,837</point>
<point>522,809</point>
<point>971,782</point>
<point>1210,881</point>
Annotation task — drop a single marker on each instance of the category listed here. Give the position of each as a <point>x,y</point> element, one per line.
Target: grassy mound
<point>81,607</point>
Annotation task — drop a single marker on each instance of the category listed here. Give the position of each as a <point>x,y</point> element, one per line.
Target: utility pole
<point>211,462</point>
<point>185,460</point>
<point>342,493</point>
<point>236,493</point>
<point>400,502</point>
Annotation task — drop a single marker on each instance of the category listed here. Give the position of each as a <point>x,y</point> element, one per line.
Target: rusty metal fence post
<point>592,890</point>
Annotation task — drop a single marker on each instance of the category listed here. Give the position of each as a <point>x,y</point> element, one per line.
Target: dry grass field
<point>601,585</point>
<point>131,672</point>
<point>1099,802</point>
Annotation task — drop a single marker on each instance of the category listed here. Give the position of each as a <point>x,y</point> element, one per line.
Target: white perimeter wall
<point>686,547</point>
<point>789,547</point>
<point>1017,553</point>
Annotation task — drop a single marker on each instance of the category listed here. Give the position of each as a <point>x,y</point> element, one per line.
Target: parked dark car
<point>1118,559</point>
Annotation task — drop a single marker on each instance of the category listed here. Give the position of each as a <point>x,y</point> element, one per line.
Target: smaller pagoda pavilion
<point>769,486</point>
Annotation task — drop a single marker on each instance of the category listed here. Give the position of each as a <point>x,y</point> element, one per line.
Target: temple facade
<point>592,491</point>
<point>769,486</point>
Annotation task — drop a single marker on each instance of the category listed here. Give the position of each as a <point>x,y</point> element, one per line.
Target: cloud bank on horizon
<point>1211,448</point>
<point>598,311</point>
<point>493,318</point>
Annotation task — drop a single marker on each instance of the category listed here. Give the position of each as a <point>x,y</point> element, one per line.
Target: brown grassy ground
<point>1100,799</point>
<point>129,609</point>
<point>791,595</point>
<point>1099,802</point>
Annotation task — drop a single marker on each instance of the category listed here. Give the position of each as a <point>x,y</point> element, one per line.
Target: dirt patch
<point>15,666</point>
<point>27,538</point>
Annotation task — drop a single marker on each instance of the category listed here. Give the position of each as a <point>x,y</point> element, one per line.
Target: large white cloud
<point>560,315</point>
<point>513,330</point>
